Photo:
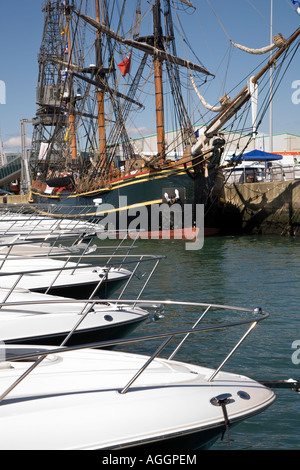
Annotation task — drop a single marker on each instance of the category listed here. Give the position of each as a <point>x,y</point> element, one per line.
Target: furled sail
<point>224,101</point>
<point>161,54</point>
<point>239,100</point>
<point>139,152</point>
<point>189,4</point>
<point>279,41</point>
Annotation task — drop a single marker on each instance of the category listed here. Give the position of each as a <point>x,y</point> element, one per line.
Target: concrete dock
<point>262,208</point>
<point>14,199</point>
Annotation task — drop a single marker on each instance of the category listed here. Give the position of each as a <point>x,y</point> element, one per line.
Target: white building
<point>286,145</point>
<point>235,144</point>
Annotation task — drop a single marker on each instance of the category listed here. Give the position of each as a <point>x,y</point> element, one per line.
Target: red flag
<point>125,65</point>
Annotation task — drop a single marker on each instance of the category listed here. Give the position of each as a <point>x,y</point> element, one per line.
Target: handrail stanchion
<point>188,334</point>
<point>232,352</point>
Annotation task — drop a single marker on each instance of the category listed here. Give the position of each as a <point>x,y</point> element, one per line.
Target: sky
<point>210,30</point>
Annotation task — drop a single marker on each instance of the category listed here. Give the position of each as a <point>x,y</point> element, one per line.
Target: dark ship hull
<point>158,204</point>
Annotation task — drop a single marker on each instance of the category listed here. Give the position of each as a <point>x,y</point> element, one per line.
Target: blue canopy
<point>257,155</point>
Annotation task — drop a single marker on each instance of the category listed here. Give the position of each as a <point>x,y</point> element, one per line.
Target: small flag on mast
<point>64,31</point>
<point>124,66</point>
<point>297,5</point>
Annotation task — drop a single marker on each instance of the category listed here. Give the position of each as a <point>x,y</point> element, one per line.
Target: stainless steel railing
<point>257,315</point>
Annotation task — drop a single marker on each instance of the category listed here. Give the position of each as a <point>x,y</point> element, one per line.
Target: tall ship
<point>97,61</point>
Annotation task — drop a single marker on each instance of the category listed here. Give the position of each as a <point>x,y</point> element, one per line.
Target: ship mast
<point>159,99</point>
<point>152,45</point>
<point>73,145</point>
<point>100,93</point>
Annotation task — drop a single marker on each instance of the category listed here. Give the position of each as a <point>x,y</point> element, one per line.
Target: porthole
<point>108,318</point>
<point>243,395</point>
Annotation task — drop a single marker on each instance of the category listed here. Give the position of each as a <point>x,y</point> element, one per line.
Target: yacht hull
<point>31,318</point>
<point>171,405</point>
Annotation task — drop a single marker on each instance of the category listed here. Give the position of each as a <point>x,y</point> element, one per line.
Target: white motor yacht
<point>81,398</point>
<point>31,318</point>
<point>36,225</point>
<point>17,247</point>
<point>59,277</point>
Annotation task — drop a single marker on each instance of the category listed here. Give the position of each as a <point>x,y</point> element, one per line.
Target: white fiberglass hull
<point>77,283</point>
<point>34,318</point>
<point>169,404</point>
<point>16,224</point>
<point>16,247</point>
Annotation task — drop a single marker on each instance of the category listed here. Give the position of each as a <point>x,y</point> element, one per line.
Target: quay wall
<point>262,208</point>
<point>14,199</point>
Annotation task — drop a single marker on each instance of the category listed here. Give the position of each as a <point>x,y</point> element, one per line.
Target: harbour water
<point>244,271</point>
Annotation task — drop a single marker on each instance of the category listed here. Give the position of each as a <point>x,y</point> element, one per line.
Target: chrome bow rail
<point>90,257</point>
<point>86,212</point>
<point>256,316</point>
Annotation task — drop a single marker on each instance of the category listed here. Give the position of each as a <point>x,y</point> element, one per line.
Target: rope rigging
<point>117,141</point>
